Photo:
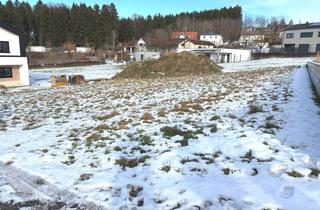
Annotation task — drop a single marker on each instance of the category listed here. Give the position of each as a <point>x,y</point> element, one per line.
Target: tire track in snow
<point>30,187</point>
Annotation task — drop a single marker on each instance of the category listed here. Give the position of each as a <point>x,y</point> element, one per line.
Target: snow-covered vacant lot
<point>238,140</point>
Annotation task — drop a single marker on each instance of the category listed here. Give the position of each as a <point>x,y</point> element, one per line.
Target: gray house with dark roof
<point>302,38</point>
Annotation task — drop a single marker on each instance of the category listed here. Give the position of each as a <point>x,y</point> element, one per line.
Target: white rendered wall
<point>237,55</point>
<point>13,39</point>
<point>37,49</point>
<point>215,39</point>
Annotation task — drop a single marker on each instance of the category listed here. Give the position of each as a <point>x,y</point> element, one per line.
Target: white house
<point>14,69</point>
<point>190,45</point>
<point>134,45</point>
<point>252,36</point>
<point>137,49</point>
<point>199,48</point>
<point>214,38</point>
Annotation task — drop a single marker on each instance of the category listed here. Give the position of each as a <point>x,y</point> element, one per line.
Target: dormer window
<point>4,47</point>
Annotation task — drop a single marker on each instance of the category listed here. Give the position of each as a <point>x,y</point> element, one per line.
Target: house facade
<point>189,45</point>
<point>134,45</point>
<point>14,69</point>
<point>252,36</point>
<point>199,48</point>
<point>302,38</point>
<point>137,50</point>
<point>214,38</point>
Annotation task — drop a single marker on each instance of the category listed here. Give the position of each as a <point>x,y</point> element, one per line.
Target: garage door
<point>318,48</point>
<point>303,48</point>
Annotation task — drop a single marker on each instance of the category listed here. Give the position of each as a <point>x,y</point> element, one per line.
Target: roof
<point>198,42</point>
<point>210,34</point>
<point>189,35</point>
<point>303,26</point>
<point>16,32</point>
<point>132,43</point>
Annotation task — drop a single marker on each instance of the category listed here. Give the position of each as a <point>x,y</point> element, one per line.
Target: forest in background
<point>100,25</point>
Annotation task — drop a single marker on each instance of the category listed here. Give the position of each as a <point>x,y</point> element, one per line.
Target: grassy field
<point>188,142</point>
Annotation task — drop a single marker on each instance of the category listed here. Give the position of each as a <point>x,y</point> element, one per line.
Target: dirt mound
<point>170,65</point>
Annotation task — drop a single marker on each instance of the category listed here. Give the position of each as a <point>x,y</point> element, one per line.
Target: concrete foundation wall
<point>236,55</point>
<point>314,72</point>
<point>141,56</point>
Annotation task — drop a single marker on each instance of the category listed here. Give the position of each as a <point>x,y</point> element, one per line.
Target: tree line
<point>100,26</point>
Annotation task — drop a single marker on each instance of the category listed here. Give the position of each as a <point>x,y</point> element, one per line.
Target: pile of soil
<point>170,65</point>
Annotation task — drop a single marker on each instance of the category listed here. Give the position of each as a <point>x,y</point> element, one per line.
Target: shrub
<point>248,157</point>
<point>315,172</point>
<point>270,124</point>
<point>146,140</point>
<point>188,160</point>
<point>166,168</point>
<point>215,117</point>
<point>254,108</point>
<point>174,131</point>
<point>295,174</point>
<point>124,162</point>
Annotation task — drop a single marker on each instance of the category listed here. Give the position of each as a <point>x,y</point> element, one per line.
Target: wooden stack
<point>59,81</point>
<point>76,80</point>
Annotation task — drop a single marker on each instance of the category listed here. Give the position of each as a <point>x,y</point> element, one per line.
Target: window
<point>289,35</point>
<point>289,48</point>
<point>5,72</point>
<point>318,48</point>
<point>319,34</point>
<point>4,47</point>
<point>303,48</point>
<point>306,34</point>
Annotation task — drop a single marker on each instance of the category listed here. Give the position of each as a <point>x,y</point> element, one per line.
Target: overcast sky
<point>298,10</point>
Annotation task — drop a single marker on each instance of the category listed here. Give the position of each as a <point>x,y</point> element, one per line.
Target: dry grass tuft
<point>107,116</point>
<point>147,118</point>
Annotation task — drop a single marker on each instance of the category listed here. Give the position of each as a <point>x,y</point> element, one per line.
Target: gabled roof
<point>303,26</point>
<point>188,35</point>
<point>18,33</point>
<point>132,43</point>
<point>198,42</point>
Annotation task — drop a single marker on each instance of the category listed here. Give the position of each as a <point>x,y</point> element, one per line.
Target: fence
<point>314,72</point>
<point>291,51</point>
